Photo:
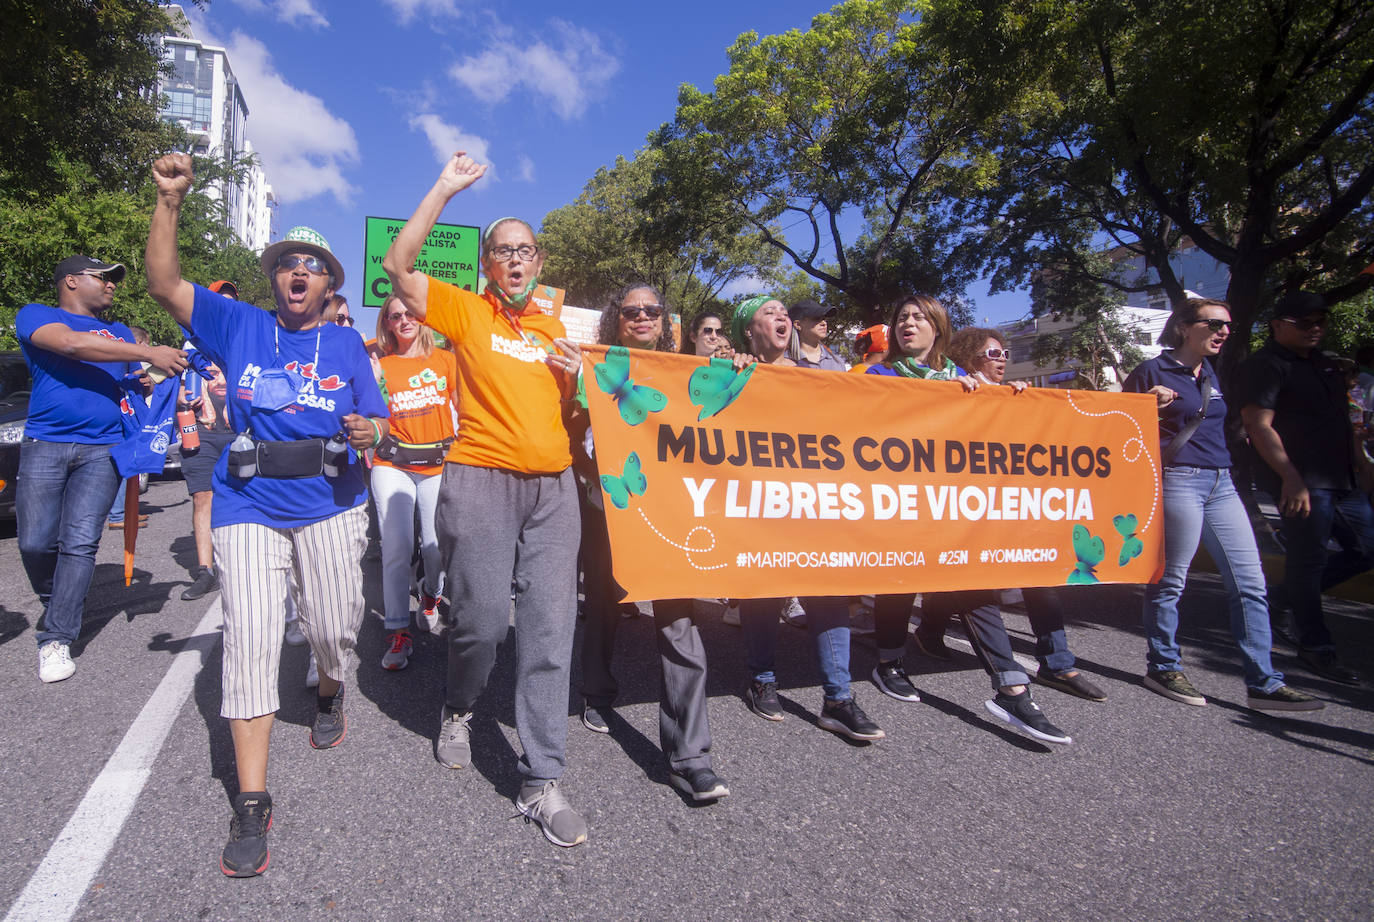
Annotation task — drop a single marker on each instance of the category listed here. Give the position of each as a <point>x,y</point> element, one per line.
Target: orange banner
<point>789,481</point>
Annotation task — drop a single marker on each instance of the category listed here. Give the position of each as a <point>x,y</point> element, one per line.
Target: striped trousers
<point>257,566</point>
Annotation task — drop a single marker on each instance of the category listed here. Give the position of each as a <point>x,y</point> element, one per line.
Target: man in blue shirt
<point>66,478</point>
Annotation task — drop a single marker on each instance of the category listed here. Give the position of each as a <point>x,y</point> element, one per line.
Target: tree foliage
<point>858,116</point>
<point>78,215</point>
<point>611,236</point>
<point>78,79</point>
<point>1244,125</point>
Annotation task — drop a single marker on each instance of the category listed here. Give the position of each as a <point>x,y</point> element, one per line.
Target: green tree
<point>611,236</point>
<point>1244,125</point>
<point>76,214</point>
<point>856,117</point>
<point>78,79</point>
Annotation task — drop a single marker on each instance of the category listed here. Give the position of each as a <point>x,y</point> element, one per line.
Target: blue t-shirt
<point>1207,447</point>
<point>72,400</point>
<point>244,340</point>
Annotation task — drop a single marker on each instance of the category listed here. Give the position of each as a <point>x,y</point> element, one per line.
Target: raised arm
<point>411,286</point>
<point>172,174</point>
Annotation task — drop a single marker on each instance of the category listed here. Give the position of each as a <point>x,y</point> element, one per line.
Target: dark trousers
<point>1044,610</point>
<point>684,731</point>
<point>987,633</point>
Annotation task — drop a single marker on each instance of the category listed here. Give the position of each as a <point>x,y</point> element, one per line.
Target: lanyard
<point>276,347</point>
<point>520,330</point>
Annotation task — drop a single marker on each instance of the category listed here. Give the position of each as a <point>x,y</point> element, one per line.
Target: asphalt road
<point>1158,810</point>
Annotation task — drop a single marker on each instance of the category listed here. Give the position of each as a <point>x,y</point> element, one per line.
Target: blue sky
<point>353,106</point>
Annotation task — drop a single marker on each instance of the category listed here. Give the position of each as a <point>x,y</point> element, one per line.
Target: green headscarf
<point>744,315</point>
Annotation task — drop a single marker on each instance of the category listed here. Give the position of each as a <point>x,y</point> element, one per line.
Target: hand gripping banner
<point>787,481</point>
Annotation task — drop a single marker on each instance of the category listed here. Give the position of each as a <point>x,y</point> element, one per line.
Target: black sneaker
<point>1023,713</point>
<point>846,718</point>
<point>1325,664</point>
<point>205,582</point>
<point>762,698</point>
<point>245,854</point>
<point>1071,682</point>
<point>594,719</point>
<point>698,783</point>
<point>1175,686</point>
<point>330,726</point>
<point>893,681</point>
<point>1282,698</point>
<point>932,645</point>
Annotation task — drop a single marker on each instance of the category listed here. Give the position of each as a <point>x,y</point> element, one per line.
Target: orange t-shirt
<point>510,402</point>
<point>420,391</point>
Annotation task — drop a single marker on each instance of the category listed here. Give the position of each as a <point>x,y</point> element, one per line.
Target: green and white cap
<point>303,239</point>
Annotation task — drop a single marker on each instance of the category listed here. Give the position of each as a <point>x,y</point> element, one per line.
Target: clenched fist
<point>173,176</point>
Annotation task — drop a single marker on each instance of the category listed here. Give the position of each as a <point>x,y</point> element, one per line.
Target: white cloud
<point>291,12</point>
<point>407,10</point>
<point>526,166</point>
<point>568,74</point>
<point>301,12</point>
<point>444,139</point>
<point>304,147</point>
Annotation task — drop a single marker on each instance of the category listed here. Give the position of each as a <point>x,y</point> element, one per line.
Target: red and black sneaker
<point>246,854</point>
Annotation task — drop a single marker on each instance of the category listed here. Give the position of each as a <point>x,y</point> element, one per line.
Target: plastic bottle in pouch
<point>243,457</point>
<point>335,455</point>
<point>190,431</point>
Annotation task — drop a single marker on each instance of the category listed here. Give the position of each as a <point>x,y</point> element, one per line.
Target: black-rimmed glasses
<point>525,251</point>
<point>1215,324</point>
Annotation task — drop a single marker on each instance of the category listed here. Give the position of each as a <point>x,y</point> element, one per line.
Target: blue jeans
<point>117,506</point>
<point>827,618</point>
<point>1201,504</point>
<point>1346,516</point>
<point>61,500</point>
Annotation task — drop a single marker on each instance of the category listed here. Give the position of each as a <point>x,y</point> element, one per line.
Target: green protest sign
<point>450,254</point>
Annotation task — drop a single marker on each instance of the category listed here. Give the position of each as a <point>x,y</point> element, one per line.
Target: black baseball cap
<point>810,309</point>
<point>1301,304</point>
<point>76,265</point>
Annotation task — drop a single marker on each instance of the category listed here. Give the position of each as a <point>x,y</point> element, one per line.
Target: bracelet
<point>377,430</point>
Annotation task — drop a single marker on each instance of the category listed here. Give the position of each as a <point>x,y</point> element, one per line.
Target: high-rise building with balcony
<point>202,95</point>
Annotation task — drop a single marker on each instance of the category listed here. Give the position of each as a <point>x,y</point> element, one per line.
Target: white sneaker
<point>294,635</point>
<point>731,614</point>
<point>312,673</point>
<point>55,662</point>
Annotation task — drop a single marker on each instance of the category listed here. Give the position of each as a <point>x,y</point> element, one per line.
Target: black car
<point>14,409</point>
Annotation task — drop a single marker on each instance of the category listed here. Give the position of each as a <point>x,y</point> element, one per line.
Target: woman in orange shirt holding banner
<point>421,385</point>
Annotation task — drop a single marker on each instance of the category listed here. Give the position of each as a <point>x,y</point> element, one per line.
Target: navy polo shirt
<point>1308,398</point>
<point>1207,446</point>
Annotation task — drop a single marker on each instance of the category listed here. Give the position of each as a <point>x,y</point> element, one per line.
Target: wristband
<point>377,431</point>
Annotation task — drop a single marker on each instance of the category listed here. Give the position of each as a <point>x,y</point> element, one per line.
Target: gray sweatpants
<point>495,527</point>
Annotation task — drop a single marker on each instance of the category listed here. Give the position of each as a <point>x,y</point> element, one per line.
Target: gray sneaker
<point>544,803</point>
<point>453,747</point>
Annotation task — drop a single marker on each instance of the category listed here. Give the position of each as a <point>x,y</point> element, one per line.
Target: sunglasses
<point>1305,323</point>
<point>289,261</point>
<point>709,331</point>
<point>344,320</point>
<point>397,318</point>
<point>1215,324</point>
<point>998,355</point>
<point>651,311</point>
<point>103,276</point>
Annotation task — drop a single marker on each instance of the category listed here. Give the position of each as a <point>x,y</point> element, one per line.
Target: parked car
<point>14,410</point>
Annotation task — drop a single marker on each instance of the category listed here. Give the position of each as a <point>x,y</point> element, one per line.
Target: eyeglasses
<point>709,331</point>
<point>998,355</point>
<point>632,312</point>
<point>288,261</point>
<point>396,318</point>
<point>1306,323</point>
<point>1215,324</point>
<point>525,251</point>
<point>344,320</point>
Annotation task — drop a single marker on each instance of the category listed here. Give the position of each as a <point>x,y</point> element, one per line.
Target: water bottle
<point>335,455</point>
<point>190,431</point>
<point>243,457</point>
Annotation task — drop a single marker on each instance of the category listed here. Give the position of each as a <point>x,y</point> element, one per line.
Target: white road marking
<point>65,874</point>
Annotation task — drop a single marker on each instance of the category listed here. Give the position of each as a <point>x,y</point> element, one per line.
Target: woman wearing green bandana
<point>761,329</point>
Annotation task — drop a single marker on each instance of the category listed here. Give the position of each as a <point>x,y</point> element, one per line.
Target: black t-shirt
<point>1308,398</point>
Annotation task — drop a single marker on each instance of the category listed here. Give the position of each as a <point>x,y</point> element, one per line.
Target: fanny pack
<point>291,460</point>
<point>404,454</point>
